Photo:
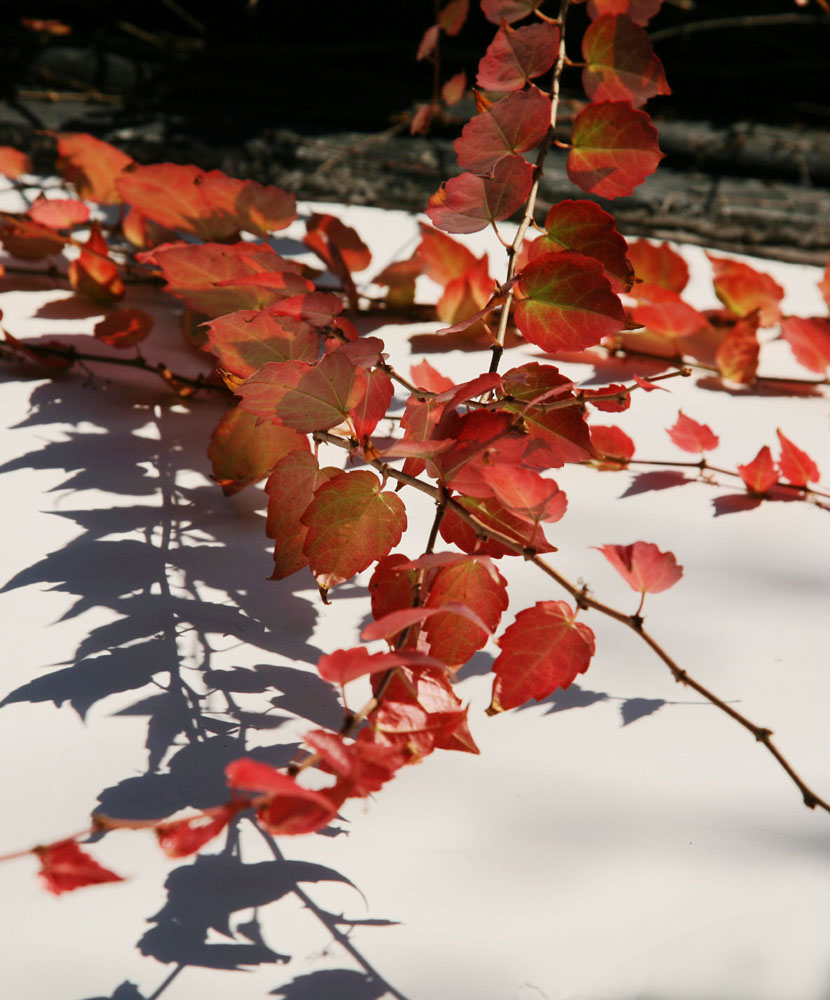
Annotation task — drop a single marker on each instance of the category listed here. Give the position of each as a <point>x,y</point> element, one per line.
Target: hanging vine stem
<point>514,248</point>
<point>583,600</point>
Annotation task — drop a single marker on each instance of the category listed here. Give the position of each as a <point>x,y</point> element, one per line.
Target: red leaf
<point>480,439</point>
<point>91,166</point>
<point>305,397</point>
<point>13,162</point>
<point>614,445</point>
<point>391,587</point>
<point>795,464</point>
<point>426,377</point>
<point>336,244</point>
<point>351,524</point>
<point>29,241</point>
<point>362,766</point>
<point>452,16</point>
<point>472,582</point>
<point>614,148</point>
<point>490,514</point>
<point>737,355</point>
<point>203,276</point>
<point>94,274</point>
<point>182,837</point>
<point>453,90</point>
<point>643,566</point>
<point>809,340</point>
<point>544,649</point>
<point>508,10</point>
<point>567,303</point>
<point>64,866</point>
<point>208,204</point>
<point>743,290</point>
<point>761,474</point>
<point>621,64</point>
<point>442,257</point>
<point>247,339</point>
<point>640,11</point>
<point>468,203</point>
<point>58,213</point>
<point>428,42</point>
<point>525,493</point>
<point>561,435</point>
<point>465,297</point>
<point>124,327</point>
<point>598,398</point>
<point>657,265</point>
<point>291,488</point>
<point>316,308</point>
<point>345,665</point>
<point>290,808</point>
<point>584,227</point>
<point>518,55</point>
<point>372,408</point>
<point>512,125</point>
<point>665,313</point>
<point>243,449</point>
<point>691,436</point>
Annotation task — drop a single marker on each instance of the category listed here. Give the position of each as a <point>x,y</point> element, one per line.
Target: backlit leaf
<point>442,257</point>
<point>247,339</point>
<point>468,203</point>
<point>657,264</point>
<point>621,64</point>
<point>544,649</point>
<point>761,474</point>
<point>453,90</point>
<point>27,240</point>
<point>525,493</point>
<point>508,10</point>
<point>13,162</point>
<point>640,11</point>
<point>290,808</point>
<point>336,244</point>
<point>795,464</point>
<point>91,166</point>
<point>512,125</point>
<point>291,488</point>
<point>351,524</point>
<point>58,213</point>
<point>566,303</point>
<point>584,227</point>
<point>124,327</point>
<point>243,449</point>
<point>737,355</point>
<point>518,55</point>
<point>809,340</point>
<point>374,404</point>
<point>613,445</point>
<point>662,311</point>
<point>691,436</point>
<point>452,16</point>
<point>643,566</point>
<point>614,148</point>
<point>742,290</point>
<point>345,665</point>
<point>361,766</point>
<point>64,866</point>
<point>183,837</point>
<point>93,274</point>
<point>426,377</point>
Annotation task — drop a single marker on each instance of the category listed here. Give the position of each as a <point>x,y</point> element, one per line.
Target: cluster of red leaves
<point>301,373</point>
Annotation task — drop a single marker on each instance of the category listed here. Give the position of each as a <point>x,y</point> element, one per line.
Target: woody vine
<point>297,373</point>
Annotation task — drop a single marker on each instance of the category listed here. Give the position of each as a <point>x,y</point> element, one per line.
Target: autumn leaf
<point>247,339</point>
<point>345,665</point>
<point>361,766</point>
<point>93,274</point>
<point>662,311</point>
<point>613,149</point>
<point>289,808</point>
<point>512,125</point>
<point>809,340</point>
<point>469,203</point>
<point>373,406</point>
<point>508,10</point>
<point>491,517</point>
<point>584,227</point>
<point>64,867</point>
<point>742,290</point>
<point>566,303</point>
<point>426,377</point>
<point>620,62</point>
<point>442,257</point>
<point>305,397</point>
<point>392,587</point>
<point>795,464</point>
<point>691,436</point>
<point>657,264</point>
<point>13,162</point>
<point>761,474</point>
<point>91,166</point>
<point>613,446</point>
<point>518,55</point>
<point>291,488</point>
<point>183,837</point>
<point>243,449</point>
<point>737,354</point>
<point>643,566</point>
<point>58,213</point>
<point>544,649</point>
<point>351,524</point>
<point>124,327</point>
<point>640,11</point>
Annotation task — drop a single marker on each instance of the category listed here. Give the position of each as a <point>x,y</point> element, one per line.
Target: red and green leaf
<point>613,149</point>
<point>469,203</point>
<point>247,339</point>
<point>620,62</point>
<point>518,55</point>
<point>244,448</point>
